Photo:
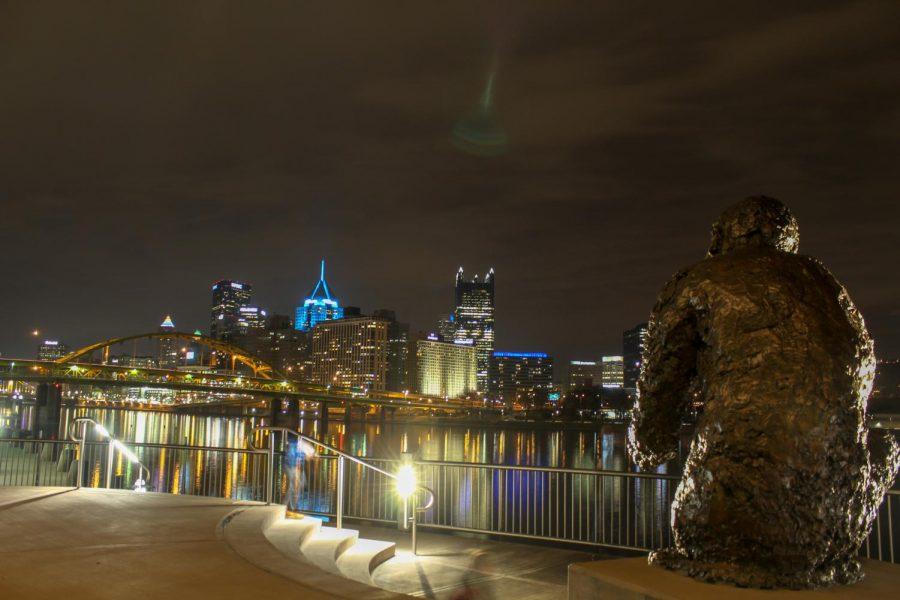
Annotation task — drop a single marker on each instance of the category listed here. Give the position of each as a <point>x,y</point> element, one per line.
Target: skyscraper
<point>613,372</point>
<point>228,297</point>
<point>474,318</point>
<point>167,357</point>
<point>445,368</point>
<point>521,377</point>
<point>319,306</point>
<point>634,341</point>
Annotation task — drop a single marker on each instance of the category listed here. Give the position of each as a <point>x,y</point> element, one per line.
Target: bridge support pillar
<point>348,412</point>
<point>323,414</point>
<point>47,409</point>
<point>290,419</point>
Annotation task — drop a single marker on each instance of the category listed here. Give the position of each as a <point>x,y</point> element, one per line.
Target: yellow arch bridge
<point>238,354</point>
<point>216,388</point>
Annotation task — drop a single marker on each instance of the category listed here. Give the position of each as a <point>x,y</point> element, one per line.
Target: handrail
<point>340,482</point>
<point>113,443</point>
<point>596,472</point>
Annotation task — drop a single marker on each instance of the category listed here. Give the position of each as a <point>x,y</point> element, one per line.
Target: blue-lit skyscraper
<point>319,306</point>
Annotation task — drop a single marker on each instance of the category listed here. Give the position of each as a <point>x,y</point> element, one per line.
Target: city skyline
<point>129,187</point>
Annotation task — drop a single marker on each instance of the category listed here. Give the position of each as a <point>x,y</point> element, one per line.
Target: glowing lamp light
<point>126,452</point>
<point>406,481</point>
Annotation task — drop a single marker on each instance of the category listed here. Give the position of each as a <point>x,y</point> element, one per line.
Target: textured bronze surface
<point>783,478</point>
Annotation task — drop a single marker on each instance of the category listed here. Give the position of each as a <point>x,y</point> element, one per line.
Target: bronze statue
<point>783,478</point>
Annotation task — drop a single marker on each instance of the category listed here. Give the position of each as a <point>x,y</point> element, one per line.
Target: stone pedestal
<point>634,579</point>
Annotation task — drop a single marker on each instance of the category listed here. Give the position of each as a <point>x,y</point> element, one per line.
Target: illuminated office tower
<point>251,320</point>
<point>474,318</point>
<point>634,341</point>
<point>350,353</point>
<point>319,306</point>
<point>445,368</point>
<point>524,378</point>
<point>613,371</point>
<point>584,374</point>
<point>51,350</point>
<point>167,357</point>
<point>228,297</point>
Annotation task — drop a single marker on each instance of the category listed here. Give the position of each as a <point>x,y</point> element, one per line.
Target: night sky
<point>146,152</point>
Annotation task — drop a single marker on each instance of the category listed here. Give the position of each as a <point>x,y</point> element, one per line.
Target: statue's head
<point>756,222</point>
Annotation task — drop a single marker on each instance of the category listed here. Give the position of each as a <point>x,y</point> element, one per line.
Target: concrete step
<point>287,535</point>
<point>262,536</point>
<point>358,561</point>
<point>326,546</point>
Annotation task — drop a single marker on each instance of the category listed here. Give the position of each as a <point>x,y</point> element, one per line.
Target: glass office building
<point>228,297</point>
<point>319,306</point>
<point>474,321</point>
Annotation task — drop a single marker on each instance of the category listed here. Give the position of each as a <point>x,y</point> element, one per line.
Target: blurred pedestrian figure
<point>294,457</point>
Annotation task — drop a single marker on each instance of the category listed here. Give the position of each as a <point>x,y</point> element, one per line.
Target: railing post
<point>270,471</point>
<point>403,518</point>
<point>415,509</point>
<point>37,468</point>
<point>339,509</point>
<point>110,454</point>
<point>81,448</point>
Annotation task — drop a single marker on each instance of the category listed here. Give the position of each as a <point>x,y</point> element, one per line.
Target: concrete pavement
<point>115,544</point>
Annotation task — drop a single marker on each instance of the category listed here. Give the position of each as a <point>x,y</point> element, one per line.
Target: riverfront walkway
<point>107,544</point>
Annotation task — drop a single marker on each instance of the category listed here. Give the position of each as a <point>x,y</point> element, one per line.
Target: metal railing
<point>880,543</point>
<point>594,508</point>
<point>237,474</point>
<point>37,462</point>
<point>410,517</point>
<point>113,446</point>
<point>599,508</point>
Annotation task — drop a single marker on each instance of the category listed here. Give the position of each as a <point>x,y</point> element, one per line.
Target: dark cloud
<point>148,149</point>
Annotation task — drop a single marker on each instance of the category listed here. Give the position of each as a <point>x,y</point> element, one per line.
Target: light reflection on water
<point>208,456</point>
<point>603,448</point>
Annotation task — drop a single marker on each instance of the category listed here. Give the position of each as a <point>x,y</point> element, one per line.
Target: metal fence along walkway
<point>594,508</point>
